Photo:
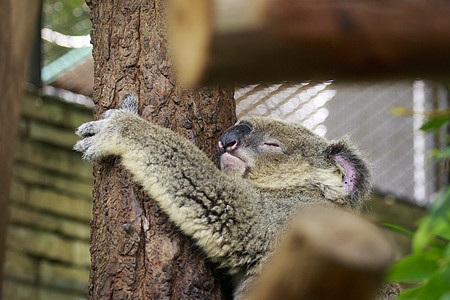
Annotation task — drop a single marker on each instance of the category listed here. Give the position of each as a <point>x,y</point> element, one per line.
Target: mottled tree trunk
<point>136,252</point>
<point>17,22</point>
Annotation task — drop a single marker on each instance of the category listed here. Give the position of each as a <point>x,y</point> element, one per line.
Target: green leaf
<point>397,228</point>
<point>411,293</point>
<point>423,235</point>
<point>442,154</point>
<point>436,223</point>
<point>434,153</point>
<point>434,288</point>
<point>435,123</point>
<point>447,251</point>
<point>415,267</point>
<point>445,297</point>
<point>441,206</point>
<point>434,234</point>
<point>441,228</point>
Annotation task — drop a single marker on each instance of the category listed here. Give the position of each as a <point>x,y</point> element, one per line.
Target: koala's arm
<point>204,202</point>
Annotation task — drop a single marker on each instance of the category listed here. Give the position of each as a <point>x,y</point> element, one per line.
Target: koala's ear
<point>355,172</point>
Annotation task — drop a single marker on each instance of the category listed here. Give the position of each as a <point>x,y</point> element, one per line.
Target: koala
<point>268,170</point>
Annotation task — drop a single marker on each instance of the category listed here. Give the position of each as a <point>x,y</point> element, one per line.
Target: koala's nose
<point>231,138</point>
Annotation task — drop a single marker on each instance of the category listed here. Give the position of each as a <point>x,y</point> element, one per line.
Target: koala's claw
<point>89,129</point>
<point>96,142</point>
<point>85,146</point>
<point>89,132</point>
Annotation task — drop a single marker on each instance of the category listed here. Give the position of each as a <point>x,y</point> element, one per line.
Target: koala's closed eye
<point>273,146</point>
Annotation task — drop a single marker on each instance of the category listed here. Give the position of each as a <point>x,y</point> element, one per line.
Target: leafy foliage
<point>429,264</point>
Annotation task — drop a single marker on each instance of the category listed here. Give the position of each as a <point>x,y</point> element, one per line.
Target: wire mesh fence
<point>397,149</point>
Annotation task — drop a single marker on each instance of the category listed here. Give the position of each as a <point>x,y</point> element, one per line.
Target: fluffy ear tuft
<point>355,172</point>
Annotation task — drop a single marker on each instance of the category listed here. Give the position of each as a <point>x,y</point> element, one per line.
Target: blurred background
<point>47,254</point>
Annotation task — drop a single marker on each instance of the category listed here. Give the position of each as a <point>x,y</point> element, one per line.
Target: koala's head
<point>273,154</point>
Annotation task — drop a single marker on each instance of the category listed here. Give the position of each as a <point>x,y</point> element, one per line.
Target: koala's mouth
<point>231,163</point>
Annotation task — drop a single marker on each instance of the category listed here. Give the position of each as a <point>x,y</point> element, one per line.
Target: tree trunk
<point>17,22</point>
<point>136,251</point>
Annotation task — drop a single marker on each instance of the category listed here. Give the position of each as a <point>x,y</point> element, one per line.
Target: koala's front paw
<point>91,144</point>
<point>100,138</point>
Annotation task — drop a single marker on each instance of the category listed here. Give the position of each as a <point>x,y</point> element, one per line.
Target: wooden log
<point>216,41</point>
<point>327,255</point>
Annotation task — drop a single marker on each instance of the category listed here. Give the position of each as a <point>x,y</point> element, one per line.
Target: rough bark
<point>136,252</point>
<point>273,40</point>
<point>17,21</point>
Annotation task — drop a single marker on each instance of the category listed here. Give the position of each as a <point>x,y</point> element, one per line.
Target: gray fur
<point>130,103</point>
<point>236,218</point>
